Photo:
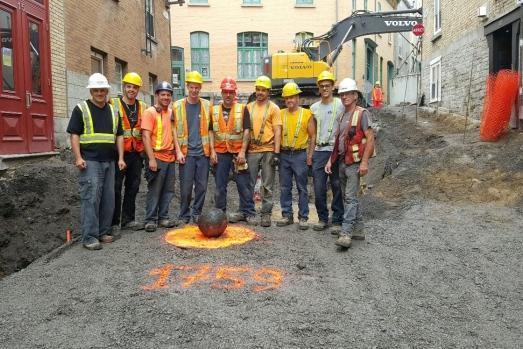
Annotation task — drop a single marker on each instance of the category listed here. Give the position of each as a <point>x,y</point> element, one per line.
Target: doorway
<point>178,72</point>
<point>26,123</point>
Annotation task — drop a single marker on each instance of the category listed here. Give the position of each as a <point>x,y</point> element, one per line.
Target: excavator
<point>319,53</point>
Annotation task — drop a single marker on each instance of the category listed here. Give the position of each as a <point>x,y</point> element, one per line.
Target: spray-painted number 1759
<point>221,277</point>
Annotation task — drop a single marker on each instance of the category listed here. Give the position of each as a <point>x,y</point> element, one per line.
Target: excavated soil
<point>441,265</point>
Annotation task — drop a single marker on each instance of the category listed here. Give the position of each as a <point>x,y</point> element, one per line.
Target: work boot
<point>134,225</point>
<point>115,232</point>
<point>106,238</point>
<point>286,220</point>
<point>150,227</point>
<point>358,232</point>
<point>344,241</point>
<point>265,220</point>
<point>167,223</point>
<point>336,229</point>
<point>92,244</point>
<point>236,217</point>
<point>251,220</point>
<point>320,226</point>
<point>303,224</point>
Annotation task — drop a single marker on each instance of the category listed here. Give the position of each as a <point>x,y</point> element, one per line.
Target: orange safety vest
<point>355,141</point>
<point>228,137</point>
<point>182,131</point>
<point>132,137</point>
<point>377,96</point>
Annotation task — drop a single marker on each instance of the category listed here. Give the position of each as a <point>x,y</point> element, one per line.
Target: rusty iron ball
<point>212,223</point>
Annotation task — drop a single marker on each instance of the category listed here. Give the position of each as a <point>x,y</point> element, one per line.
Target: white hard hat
<point>347,85</point>
<point>97,80</point>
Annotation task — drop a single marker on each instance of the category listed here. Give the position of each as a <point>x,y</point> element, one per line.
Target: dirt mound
<point>39,202</point>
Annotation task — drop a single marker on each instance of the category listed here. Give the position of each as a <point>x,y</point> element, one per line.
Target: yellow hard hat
<point>263,81</point>
<point>194,76</point>
<point>290,89</point>
<point>132,78</point>
<point>326,75</point>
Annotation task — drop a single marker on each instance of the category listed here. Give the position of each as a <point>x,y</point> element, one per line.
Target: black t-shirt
<point>102,123</point>
<point>131,110</point>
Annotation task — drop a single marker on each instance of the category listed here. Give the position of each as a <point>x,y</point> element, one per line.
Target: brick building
<point>230,38</point>
<point>478,36</point>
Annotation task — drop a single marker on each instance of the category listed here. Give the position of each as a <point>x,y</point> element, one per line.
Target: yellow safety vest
<point>89,136</point>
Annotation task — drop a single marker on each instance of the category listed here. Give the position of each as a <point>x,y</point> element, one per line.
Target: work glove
<point>275,161</point>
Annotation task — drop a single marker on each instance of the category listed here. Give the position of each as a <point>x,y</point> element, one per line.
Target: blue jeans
<point>160,185</point>
<point>131,176</point>
<point>263,160</point>
<point>243,184</point>
<point>96,199</point>
<point>319,160</point>
<point>195,172</point>
<point>350,185</point>
<point>294,163</point>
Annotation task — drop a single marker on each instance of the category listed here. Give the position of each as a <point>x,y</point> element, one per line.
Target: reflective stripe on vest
<point>228,135</point>
<point>159,132</point>
<point>182,130</point>
<point>126,125</point>
<point>331,125</point>
<point>257,139</point>
<point>89,136</point>
<point>355,146</point>
<point>296,131</point>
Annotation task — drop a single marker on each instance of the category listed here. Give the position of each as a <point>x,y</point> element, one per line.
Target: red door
<point>26,123</point>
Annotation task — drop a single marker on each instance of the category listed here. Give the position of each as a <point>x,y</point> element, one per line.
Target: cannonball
<point>212,223</point>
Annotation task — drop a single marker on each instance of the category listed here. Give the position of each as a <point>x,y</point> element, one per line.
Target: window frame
<point>437,17</point>
<point>101,58</point>
<point>435,64</point>
<point>149,19</point>
<point>304,3</point>
<point>252,3</point>
<point>264,50</point>
<point>118,79</point>
<point>200,65</point>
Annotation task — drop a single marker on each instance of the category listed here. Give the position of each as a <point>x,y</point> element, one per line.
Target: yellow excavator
<point>319,53</point>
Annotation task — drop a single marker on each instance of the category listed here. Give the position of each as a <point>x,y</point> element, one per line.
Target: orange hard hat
<point>228,84</point>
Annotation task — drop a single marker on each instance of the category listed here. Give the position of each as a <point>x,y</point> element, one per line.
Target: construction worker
<point>264,147</point>
<point>131,112</point>
<point>158,141</point>
<point>325,113</point>
<point>354,144</point>
<point>377,95</point>
<point>96,136</point>
<point>231,125</point>
<point>297,147</point>
<point>194,146</point>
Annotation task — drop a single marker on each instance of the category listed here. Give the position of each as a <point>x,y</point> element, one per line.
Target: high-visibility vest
<point>355,141</point>
<point>228,137</point>
<point>182,131</point>
<point>132,136</point>
<point>89,136</point>
<point>285,141</point>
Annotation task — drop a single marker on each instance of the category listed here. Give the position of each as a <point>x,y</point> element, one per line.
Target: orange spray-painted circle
<point>190,236</point>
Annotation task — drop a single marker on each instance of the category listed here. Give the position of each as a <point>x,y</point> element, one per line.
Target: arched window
<point>200,59</point>
<point>252,47</point>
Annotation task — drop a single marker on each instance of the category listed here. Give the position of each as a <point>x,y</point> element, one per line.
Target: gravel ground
<point>441,267</point>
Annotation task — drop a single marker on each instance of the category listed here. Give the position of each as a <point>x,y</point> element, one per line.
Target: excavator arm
<point>360,23</point>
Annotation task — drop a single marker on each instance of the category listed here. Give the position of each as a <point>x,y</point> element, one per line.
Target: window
<point>252,47</point>
<point>153,81</point>
<point>300,37</point>
<point>435,79</point>
<point>353,5</point>
<point>149,18</point>
<point>437,16</point>
<point>97,61</point>
<point>365,5</point>
<point>119,71</point>
<point>252,2</point>
<point>200,60</point>
<point>7,66</point>
<point>354,59</point>
<point>304,2</point>
<point>198,2</point>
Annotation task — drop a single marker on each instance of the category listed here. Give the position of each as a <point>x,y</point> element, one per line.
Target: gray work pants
<point>257,161</point>
<point>350,185</point>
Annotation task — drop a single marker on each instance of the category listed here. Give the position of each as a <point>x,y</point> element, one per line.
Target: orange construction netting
<point>500,96</point>
<point>190,236</point>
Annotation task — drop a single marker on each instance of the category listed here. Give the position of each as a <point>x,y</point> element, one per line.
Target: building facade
<point>463,43</point>
<point>230,38</point>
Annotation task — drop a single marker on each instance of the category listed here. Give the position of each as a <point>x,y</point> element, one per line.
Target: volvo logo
<point>400,23</point>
